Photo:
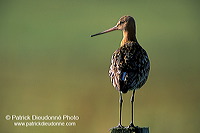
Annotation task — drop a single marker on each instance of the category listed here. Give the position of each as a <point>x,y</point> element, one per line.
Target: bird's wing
<point>125,67</point>
<point>115,71</point>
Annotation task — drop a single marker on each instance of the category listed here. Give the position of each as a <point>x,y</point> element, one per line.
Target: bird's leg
<point>132,110</point>
<point>120,110</point>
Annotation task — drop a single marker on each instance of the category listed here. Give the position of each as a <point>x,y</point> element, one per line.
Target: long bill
<point>106,31</point>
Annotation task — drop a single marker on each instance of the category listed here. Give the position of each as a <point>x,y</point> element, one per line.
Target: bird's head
<point>125,23</point>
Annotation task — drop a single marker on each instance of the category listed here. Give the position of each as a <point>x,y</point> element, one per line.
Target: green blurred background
<point>50,66</point>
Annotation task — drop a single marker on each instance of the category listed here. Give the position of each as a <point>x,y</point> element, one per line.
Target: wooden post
<point>142,130</point>
<point>130,130</point>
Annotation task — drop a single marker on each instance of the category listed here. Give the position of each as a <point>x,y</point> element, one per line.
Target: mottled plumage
<point>129,67</point>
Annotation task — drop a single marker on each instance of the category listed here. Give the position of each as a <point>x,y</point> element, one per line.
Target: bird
<point>130,64</point>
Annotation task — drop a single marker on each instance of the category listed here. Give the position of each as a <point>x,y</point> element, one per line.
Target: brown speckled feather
<point>129,67</point>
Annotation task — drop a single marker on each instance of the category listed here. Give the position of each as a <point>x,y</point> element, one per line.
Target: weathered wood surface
<point>142,130</point>
<point>130,130</point>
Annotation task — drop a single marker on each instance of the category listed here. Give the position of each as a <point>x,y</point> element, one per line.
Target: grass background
<point>50,66</point>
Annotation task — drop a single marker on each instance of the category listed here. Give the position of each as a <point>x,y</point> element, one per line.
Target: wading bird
<point>130,64</point>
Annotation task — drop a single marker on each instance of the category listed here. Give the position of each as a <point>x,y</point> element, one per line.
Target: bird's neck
<point>128,36</point>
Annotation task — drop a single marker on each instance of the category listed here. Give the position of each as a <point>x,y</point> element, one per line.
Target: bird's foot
<point>131,125</point>
<point>119,126</point>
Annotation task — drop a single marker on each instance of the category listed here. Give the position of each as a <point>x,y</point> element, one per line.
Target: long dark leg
<point>132,110</point>
<point>120,110</point>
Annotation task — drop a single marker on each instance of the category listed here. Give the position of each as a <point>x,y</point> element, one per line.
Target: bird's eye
<point>121,22</point>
